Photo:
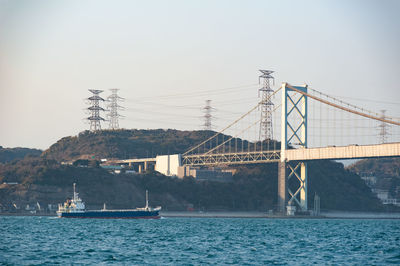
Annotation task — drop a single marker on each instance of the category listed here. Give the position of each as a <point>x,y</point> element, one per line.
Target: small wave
<point>393,260</point>
<point>395,257</point>
<point>110,258</point>
<point>199,241</point>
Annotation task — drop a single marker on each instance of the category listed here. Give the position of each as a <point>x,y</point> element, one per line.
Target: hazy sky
<point>168,57</point>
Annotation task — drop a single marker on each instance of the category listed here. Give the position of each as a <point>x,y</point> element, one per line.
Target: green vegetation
<point>386,172</point>
<point>339,188</point>
<point>133,143</point>
<point>254,187</point>
<point>10,154</point>
<point>384,167</point>
<point>125,143</point>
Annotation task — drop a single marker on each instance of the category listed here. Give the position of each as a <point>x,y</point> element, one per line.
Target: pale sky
<point>168,57</point>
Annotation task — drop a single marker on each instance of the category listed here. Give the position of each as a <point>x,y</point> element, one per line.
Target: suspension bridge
<point>303,116</point>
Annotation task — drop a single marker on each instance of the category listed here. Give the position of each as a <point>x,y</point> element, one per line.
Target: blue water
<point>49,240</point>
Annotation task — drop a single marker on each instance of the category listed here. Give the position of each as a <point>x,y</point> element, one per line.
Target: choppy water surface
<point>48,240</point>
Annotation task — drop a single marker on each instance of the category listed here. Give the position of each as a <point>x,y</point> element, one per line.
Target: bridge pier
<point>303,184</point>
<point>282,187</point>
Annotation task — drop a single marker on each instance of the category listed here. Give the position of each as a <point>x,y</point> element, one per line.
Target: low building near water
<point>115,169</point>
<point>212,174</point>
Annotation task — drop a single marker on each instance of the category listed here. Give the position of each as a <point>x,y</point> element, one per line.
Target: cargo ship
<point>75,208</point>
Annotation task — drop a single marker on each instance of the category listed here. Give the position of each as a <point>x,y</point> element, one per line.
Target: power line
<point>366,100</point>
<point>199,92</point>
<point>177,115</point>
<point>152,104</point>
<point>170,122</point>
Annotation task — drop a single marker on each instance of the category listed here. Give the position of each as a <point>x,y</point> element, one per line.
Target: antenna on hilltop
<point>113,108</point>
<point>266,129</point>
<point>207,115</point>
<point>94,110</point>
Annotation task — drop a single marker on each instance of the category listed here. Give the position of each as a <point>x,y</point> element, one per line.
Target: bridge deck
<point>232,158</point>
<point>141,160</point>
<point>326,153</point>
<point>345,152</point>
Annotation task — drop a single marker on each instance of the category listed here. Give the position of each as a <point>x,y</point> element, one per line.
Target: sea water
<point>193,241</point>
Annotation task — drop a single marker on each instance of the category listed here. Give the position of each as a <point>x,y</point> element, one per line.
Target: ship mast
<point>147,199</point>
<point>74,193</point>
<point>76,198</point>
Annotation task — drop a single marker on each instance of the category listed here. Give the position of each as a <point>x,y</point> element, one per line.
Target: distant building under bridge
<point>212,174</point>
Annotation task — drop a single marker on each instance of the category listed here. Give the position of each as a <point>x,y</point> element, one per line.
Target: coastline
<point>324,215</point>
<point>252,214</point>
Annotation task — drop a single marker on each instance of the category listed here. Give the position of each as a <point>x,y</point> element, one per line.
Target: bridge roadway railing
<point>325,153</point>
<point>231,158</point>
<point>141,160</point>
<point>344,152</point>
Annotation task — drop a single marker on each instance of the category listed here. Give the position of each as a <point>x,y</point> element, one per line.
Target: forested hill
<point>10,154</point>
<point>124,143</point>
<point>254,187</point>
<point>383,167</point>
<point>45,180</point>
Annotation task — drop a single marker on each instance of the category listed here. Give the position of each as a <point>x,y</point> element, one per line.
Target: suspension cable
<point>344,108</point>
<point>251,125</point>
<point>233,123</point>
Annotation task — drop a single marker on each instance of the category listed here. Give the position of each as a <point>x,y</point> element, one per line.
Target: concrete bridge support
<point>282,187</point>
<point>297,175</point>
<point>303,186</point>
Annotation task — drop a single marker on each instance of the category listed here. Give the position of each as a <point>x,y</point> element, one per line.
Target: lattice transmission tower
<point>113,107</point>
<point>207,115</point>
<point>95,110</point>
<point>266,127</point>
<point>383,128</point>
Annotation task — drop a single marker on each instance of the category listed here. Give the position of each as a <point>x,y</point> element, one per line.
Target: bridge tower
<point>294,134</point>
